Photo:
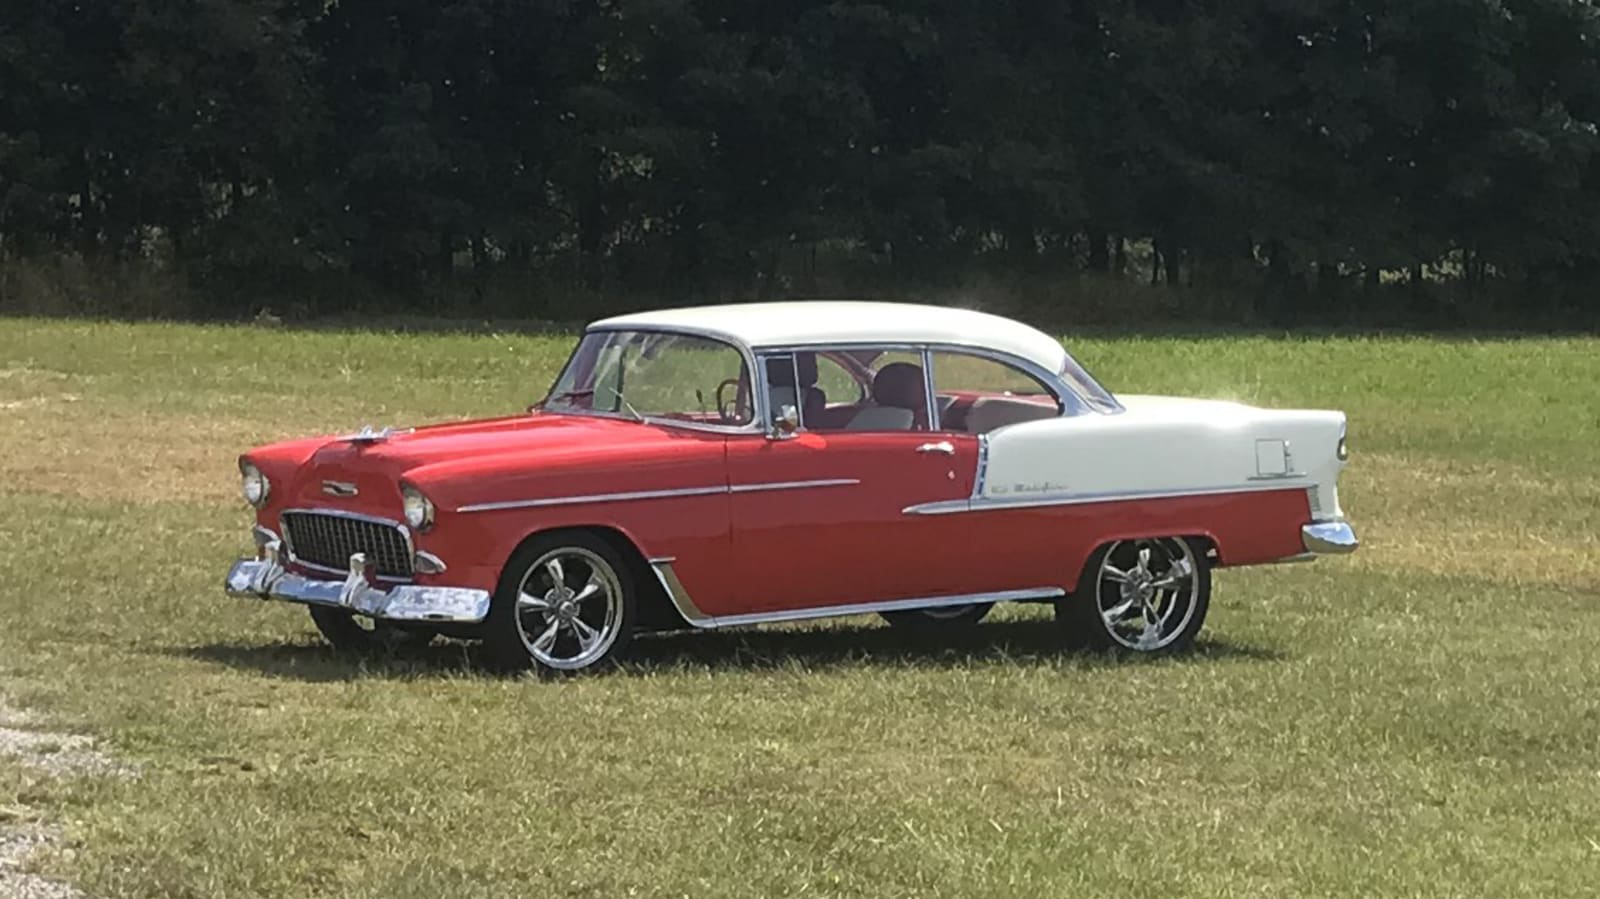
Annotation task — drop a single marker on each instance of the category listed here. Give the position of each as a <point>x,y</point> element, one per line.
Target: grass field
<point>1420,719</point>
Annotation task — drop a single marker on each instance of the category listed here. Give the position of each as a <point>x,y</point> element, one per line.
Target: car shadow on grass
<point>748,649</point>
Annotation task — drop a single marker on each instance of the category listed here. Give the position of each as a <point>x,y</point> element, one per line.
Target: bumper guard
<point>1329,538</point>
<point>266,578</point>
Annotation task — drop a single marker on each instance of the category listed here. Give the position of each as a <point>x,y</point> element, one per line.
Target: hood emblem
<point>339,488</point>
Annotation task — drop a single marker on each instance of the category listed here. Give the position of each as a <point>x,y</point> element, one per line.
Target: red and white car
<point>734,465</point>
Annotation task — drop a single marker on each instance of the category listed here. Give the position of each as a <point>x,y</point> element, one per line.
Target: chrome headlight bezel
<point>416,507</point>
<point>1344,450</point>
<point>253,485</point>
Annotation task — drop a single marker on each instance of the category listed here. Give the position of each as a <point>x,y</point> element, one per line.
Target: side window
<point>896,398</point>
<point>836,382</point>
<point>977,394</point>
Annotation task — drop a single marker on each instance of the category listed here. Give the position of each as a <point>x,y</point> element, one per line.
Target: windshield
<point>1087,387</point>
<point>657,375</point>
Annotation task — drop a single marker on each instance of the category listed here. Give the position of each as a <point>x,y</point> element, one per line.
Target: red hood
<point>375,467</point>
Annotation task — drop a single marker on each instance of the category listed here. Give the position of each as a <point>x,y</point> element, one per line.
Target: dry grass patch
<point>1497,520</point>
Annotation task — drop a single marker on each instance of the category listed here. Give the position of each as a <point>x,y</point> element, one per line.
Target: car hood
<point>372,468</point>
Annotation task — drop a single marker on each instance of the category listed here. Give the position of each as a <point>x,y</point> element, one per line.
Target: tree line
<point>712,147</point>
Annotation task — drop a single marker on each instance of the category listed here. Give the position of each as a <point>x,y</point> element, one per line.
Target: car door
<point>819,518</point>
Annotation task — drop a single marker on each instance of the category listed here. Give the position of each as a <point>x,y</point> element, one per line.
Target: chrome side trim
<point>793,485</point>
<point>592,498</point>
<point>694,616</point>
<point>983,466</point>
<point>893,605</point>
<point>678,595</point>
<point>657,494</point>
<point>990,503</point>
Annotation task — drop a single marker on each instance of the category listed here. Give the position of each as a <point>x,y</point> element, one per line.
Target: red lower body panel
<point>1020,548</point>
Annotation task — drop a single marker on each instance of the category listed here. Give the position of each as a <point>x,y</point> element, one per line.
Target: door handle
<point>944,447</point>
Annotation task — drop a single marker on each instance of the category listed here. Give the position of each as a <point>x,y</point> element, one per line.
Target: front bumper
<point>1329,538</point>
<point>266,578</point>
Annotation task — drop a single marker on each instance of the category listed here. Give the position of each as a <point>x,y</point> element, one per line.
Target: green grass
<point>1420,719</point>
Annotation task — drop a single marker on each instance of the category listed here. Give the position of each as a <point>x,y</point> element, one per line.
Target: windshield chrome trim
<point>684,603</point>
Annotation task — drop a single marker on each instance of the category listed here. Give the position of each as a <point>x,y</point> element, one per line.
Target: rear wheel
<point>356,633</point>
<point>938,620</point>
<point>565,603</point>
<point>1147,596</point>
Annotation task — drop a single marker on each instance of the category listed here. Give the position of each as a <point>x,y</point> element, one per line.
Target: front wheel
<point>565,603</point>
<point>1149,596</point>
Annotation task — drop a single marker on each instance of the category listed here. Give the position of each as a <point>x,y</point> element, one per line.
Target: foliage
<point>709,147</point>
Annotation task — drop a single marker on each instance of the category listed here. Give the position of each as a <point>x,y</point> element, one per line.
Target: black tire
<point>1086,615</point>
<point>513,646</point>
<point>351,633</point>
<point>939,620</point>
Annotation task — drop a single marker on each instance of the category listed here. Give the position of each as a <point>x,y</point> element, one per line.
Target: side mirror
<point>785,423</point>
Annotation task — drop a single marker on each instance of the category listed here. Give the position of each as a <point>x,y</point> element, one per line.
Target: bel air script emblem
<point>339,488</point>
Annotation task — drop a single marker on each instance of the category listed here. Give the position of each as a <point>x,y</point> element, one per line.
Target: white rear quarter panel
<point>1166,446</point>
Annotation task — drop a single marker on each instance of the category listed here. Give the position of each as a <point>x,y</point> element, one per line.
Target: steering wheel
<point>731,411</point>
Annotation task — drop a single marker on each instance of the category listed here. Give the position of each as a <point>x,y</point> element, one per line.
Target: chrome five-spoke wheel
<point>564,604</point>
<point>1148,596</point>
<point>569,608</point>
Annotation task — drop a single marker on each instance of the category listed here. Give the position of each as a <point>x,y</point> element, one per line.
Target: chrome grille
<point>329,541</point>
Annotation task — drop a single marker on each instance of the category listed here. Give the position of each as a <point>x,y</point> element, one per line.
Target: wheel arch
<point>656,611</point>
<point>1206,547</point>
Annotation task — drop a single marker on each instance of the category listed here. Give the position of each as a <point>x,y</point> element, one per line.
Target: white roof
<point>832,322</point>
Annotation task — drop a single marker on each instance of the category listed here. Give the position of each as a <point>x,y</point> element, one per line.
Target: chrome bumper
<point>1329,538</point>
<point>265,578</point>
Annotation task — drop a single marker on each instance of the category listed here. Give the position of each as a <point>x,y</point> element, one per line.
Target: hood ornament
<point>368,435</point>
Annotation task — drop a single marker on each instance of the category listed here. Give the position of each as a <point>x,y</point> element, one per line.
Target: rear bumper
<point>1324,538</point>
<point>266,578</point>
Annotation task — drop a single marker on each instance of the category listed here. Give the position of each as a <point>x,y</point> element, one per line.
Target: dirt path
<point>24,830</point>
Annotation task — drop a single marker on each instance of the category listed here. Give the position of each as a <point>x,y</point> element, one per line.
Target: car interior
<point>894,398</point>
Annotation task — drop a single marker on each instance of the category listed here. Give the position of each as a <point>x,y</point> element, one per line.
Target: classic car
<point>732,465</point>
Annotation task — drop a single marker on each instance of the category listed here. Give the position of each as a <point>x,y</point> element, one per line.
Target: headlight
<point>253,484</point>
<point>419,509</point>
